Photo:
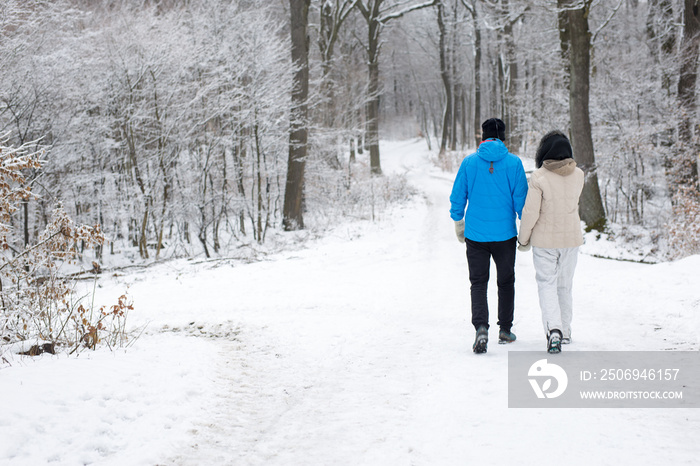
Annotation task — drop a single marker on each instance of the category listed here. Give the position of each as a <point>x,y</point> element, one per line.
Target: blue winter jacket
<point>492,186</point>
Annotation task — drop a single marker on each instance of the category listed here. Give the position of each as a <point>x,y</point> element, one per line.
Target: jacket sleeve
<point>520,189</point>
<point>531,211</point>
<point>458,198</point>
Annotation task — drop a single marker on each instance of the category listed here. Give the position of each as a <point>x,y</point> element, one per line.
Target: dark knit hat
<point>553,146</point>
<point>493,128</point>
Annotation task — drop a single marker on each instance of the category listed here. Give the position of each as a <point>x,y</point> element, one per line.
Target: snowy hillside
<point>354,351</point>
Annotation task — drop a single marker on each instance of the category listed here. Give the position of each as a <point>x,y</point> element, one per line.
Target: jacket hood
<point>560,167</point>
<point>492,150</point>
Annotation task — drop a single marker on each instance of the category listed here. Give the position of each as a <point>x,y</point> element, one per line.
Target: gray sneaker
<point>554,341</point>
<point>481,340</point>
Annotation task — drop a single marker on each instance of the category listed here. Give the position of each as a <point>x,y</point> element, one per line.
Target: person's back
<point>491,186</point>
<point>556,220</point>
<point>551,224</point>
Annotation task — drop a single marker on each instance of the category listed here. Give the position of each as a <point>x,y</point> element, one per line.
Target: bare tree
<point>509,71</point>
<point>576,39</point>
<point>299,131</point>
<point>660,29</point>
<point>446,78</point>
<point>378,13</point>
<point>471,8</point>
<point>686,169</point>
<point>332,16</point>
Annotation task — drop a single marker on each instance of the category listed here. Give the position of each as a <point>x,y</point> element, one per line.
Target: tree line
<point>188,126</point>
<point>618,76</point>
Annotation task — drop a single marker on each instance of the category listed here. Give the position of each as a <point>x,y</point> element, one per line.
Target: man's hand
<point>459,230</point>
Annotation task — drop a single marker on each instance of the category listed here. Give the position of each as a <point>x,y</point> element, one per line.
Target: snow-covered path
<point>357,351</point>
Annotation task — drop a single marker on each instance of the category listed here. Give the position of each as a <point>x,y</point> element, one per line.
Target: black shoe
<point>505,336</point>
<point>554,341</point>
<point>482,339</point>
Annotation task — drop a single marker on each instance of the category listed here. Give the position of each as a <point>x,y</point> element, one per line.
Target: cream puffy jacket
<point>550,217</point>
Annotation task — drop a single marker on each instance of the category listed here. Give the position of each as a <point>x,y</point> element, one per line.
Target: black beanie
<point>493,128</point>
<point>553,146</point>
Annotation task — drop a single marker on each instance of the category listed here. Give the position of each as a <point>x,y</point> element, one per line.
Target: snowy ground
<point>355,351</point>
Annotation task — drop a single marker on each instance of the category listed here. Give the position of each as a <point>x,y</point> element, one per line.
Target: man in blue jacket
<point>491,186</point>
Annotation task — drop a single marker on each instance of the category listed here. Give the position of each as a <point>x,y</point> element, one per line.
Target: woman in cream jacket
<point>551,225</point>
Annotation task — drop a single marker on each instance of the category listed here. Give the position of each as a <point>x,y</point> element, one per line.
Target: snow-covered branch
<point>606,22</point>
<point>384,18</point>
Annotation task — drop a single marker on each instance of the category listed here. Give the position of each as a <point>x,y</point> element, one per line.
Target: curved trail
<point>354,351</point>
<point>361,354</point>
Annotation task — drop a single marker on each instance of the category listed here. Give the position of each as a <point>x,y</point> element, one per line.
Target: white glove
<point>459,230</point>
<point>524,247</point>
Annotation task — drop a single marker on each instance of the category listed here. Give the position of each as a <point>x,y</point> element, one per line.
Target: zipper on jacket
<point>491,168</point>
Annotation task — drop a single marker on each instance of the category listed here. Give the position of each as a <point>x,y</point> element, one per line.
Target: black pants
<point>479,259</point>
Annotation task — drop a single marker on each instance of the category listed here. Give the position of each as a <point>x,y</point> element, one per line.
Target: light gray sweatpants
<point>554,272</point>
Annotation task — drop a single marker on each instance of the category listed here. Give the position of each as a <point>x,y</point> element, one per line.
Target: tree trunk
<point>564,37</point>
<point>239,153</point>
<point>447,84</point>
<point>477,74</point>
<point>299,132</point>
<point>454,81</point>
<point>202,235</point>
<point>471,8</point>
<point>326,39</point>
<point>689,69</point>
<point>510,91</point>
<point>258,180</point>
<point>579,40</point>
<point>684,169</point>
<point>372,141</point>
<point>463,114</point>
<point>143,242</point>
<point>25,223</point>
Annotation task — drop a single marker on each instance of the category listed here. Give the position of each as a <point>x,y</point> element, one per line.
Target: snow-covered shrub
<point>449,161</point>
<point>684,228</point>
<point>333,196</point>
<point>36,304</point>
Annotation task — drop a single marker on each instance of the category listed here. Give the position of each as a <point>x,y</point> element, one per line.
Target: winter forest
<point>225,232</point>
<point>182,128</point>
<point>168,122</point>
